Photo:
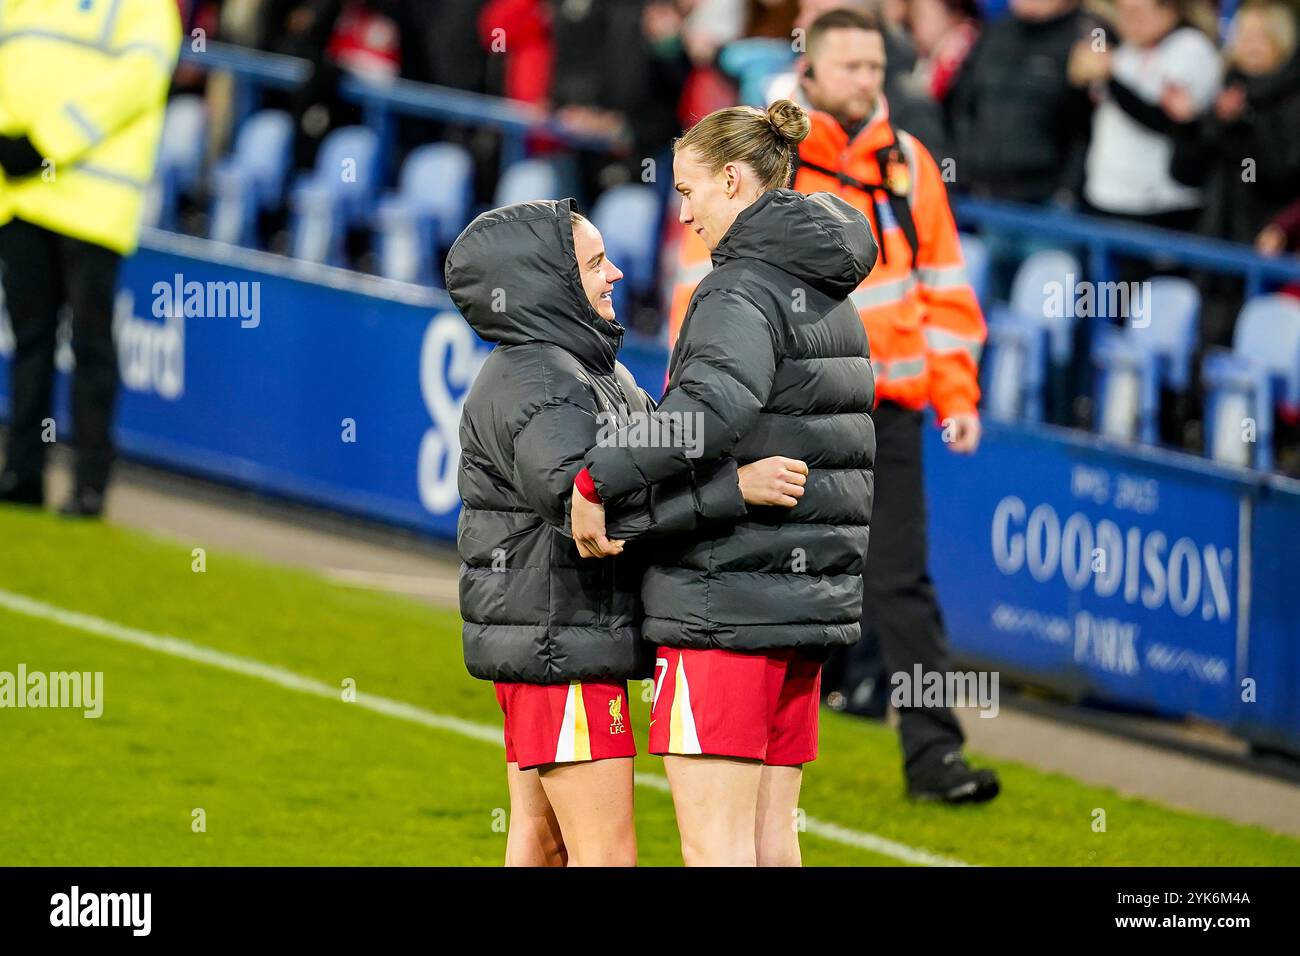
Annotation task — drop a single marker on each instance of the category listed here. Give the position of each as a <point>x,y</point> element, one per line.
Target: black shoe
<point>953,781</point>
<point>85,503</point>
<point>15,491</point>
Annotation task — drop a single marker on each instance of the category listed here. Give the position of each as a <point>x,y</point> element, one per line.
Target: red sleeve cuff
<point>586,486</point>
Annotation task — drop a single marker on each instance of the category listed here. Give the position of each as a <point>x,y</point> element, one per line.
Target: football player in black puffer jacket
<point>561,636</point>
<point>772,354</point>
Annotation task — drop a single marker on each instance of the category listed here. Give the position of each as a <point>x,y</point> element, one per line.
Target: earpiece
<point>808,71</point>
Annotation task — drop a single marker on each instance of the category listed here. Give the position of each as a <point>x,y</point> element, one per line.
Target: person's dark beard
<point>854,126</point>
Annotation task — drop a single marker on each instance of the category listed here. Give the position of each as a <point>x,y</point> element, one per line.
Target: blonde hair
<point>1281,24</point>
<point>763,141</point>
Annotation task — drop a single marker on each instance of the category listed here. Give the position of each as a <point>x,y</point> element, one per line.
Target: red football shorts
<point>733,704</point>
<point>565,723</point>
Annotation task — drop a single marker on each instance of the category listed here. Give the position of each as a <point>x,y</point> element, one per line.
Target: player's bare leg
<point>594,805</point>
<point>716,799</point>
<point>776,835</point>
<point>534,836</point>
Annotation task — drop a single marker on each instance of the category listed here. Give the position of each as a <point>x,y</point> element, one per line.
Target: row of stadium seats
<point>413,224</point>
<point>1031,337</point>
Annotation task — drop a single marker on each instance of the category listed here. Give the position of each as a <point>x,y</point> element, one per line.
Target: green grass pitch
<point>286,778</point>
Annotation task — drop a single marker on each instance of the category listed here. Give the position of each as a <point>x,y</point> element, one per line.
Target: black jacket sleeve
<point>548,456</point>
<point>1192,148</point>
<point>1149,115</point>
<point>727,368</point>
<point>549,453</point>
<point>679,506</point>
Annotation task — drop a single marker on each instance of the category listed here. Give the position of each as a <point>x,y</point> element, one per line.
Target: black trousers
<point>901,621</point>
<point>42,272</point>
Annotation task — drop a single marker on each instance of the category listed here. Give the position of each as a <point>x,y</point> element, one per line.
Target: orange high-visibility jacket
<point>922,318</point>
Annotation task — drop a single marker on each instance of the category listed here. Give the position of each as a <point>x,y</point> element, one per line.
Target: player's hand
<point>961,433</point>
<point>588,522</point>
<point>773,481</point>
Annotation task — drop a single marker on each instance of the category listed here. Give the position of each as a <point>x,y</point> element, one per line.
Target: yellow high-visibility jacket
<point>86,81</point>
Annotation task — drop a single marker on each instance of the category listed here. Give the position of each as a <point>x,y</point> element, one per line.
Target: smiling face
<point>598,273</point>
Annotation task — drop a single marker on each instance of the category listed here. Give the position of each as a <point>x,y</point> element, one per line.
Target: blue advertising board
<point>1109,574</point>
<point>330,393</point>
<point>1272,715</point>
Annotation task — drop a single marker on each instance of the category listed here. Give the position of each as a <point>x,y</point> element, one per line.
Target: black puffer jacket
<point>772,360</point>
<point>1018,128</point>
<point>1267,133</point>
<point>533,610</point>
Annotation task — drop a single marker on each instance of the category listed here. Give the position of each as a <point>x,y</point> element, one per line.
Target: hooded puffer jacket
<point>533,610</point>
<point>772,360</point>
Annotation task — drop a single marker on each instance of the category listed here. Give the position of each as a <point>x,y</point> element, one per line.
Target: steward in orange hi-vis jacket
<point>922,318</point>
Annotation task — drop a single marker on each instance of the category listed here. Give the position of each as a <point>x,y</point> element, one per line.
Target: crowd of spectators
<point>1171,113</point>
<point>1167,112</point>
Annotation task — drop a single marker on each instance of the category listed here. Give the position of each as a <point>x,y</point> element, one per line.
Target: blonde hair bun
<point>790,121</point>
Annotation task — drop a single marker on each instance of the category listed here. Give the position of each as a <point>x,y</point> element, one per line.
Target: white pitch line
<point>175,647</point>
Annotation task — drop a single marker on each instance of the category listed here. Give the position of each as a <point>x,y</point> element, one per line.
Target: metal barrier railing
<point>1104,239</point>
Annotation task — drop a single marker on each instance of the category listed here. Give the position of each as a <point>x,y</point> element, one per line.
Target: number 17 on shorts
<point>760,706</point>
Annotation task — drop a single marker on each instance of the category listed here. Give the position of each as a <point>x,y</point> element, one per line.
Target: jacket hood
<point>513,274</point>
<point>818,238</point>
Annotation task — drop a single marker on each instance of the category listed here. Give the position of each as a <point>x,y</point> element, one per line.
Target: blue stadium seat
<point>628,219</point>
<point>1243,386</point>
<point>1013,366</point>
<point>426,212</point>
<point>1034,335</point>
<point>527,180</point>
<point>1127,406</point>
<point>336,195</point>
<point>180,159</point>
<point>1043,287</point>
<point>251,179</point>
<point>1168,329</point>
<point>976,253</point>
<point>1238,411</point>
<point>1268,333</point>
<point>1132,362</point>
